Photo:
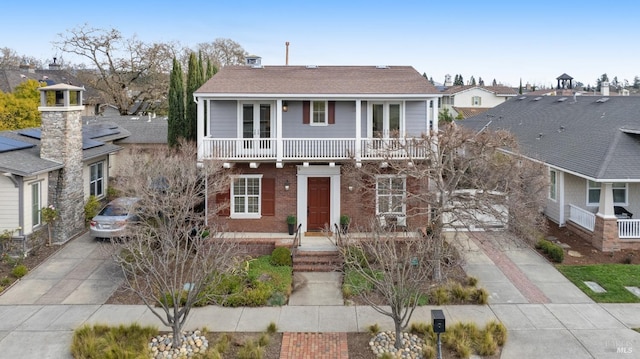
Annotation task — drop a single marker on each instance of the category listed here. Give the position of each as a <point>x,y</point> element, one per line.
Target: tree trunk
<point>399,340</point>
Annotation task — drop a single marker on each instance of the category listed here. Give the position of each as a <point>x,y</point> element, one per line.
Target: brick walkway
<point>530,291</point>
<point>314,346</point>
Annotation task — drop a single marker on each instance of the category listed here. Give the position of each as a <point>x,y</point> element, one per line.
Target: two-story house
<point>284,131</point>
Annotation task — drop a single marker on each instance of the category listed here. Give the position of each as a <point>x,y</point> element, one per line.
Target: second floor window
<point>476,101</point>
<point>319,113</point>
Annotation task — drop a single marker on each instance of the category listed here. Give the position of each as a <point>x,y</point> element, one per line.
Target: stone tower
<point>61,141</point>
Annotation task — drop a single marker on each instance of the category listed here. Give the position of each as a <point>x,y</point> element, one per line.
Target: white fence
<point>584,219</point>
<point>629,228</point>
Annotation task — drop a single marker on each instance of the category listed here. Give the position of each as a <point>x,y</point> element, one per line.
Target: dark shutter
<point>332,112</point>
<point>306,112</point>
<point>268,196</point>
<point>222,202</point>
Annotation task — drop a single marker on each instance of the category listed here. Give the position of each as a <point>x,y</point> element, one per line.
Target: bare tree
<point>124,70</point>
<point>398,266</point>
<point>223,52</point>
<point>452,180</point>
<point>170,257</point>
<point>11,60</point>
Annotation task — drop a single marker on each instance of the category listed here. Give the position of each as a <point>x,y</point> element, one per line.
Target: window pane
<point>397,184</point>
<point>253,186</point>
<point>594,195</point>
<point>247,121</point>
<point>35,204</point>
<point>383,204</point>
<point>619,196</point>
<point>238,204</point>
<point>394,117</point>
<point>253,205</point>
<point>318,112</point>
<point>378,120</point>
<point>396,204</point>
<point>239,186</point>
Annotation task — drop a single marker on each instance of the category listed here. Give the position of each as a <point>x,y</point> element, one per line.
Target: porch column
<point>200,127</point>
<point>279,141</point>
<point>358,144</point>
<point>605,233</point>
<point>434,114</point>
<point>208,115</point>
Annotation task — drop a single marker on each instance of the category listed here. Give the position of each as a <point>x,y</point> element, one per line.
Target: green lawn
<point>612,277</point>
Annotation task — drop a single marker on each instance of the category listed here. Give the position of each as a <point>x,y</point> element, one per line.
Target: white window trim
<point>553,185</point>
<point>256,117</point>
<point>473,101</point>
<point>39,207</point>
<point>326,114</point>
<point>385,117</point>
<point>232,212</point>
<point>91,183</point>
<point>404,195</point>
<point>626,194</point>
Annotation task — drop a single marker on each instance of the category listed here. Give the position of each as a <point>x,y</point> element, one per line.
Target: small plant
<point>20,271</point>
<point>49,215</point>
<point>281,256</point>
<point>498,331</point>
<point>91,208</point>
<point>251,350</point>
<point>272,328</point>
<point>481,296</point>
<point>373,329</point>
<point>291,219</point>
<point>264,339</point>
<point>344,219</point>
<point>472,281</point>
<point>554,251</point>
<point>222,345</point>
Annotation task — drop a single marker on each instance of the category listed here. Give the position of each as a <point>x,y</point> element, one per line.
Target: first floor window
<point>619,193</point>
<point>96,181</point>
<point>36,204</point>
<point>553,185</point>
<point>390,195</point>
<point>245,197</point>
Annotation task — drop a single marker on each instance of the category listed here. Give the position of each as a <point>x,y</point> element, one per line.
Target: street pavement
<point>39,313</point>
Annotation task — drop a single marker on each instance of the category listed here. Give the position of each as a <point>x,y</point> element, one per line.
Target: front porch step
<point>317,261</point>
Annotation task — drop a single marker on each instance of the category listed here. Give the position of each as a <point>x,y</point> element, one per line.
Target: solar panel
<point>9,144</point>
<point>522,98</point>
<point>31,132</point>
<point>601,100</point>
<point>100,131</point>
<point>88,143</point>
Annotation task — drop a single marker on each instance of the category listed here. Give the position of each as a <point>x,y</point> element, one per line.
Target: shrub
<point>91,208</point>
<point>487,345</point>
<point>281,256</point>
<point>20,271</point>
<point>472,281</point>
<point>222,345</point>
<point>374,329</point>
<point>429,352</point>
<point>440,296</point>
<point>272,328</point>
<point>264,339</point>
<point>355,257</point>
<point>480,296</point>
<point>554,251</point>
<point>498,331</point>
<point>250,350</point>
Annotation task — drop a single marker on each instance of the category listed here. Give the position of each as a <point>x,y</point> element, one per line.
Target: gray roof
<point>594,137</point>
<point>9,79</point>
<point>303,80</point>
<point>27,162</point>
<point>141,129</point>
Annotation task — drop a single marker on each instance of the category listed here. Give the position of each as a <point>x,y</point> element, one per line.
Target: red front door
<point>318,203</point>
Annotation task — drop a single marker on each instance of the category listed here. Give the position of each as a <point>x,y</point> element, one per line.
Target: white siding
<point>9,204</point>
<point>43,179</point>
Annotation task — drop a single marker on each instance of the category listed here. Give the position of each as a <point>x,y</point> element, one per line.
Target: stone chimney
<point>604,88</point>
<point>61,141</point>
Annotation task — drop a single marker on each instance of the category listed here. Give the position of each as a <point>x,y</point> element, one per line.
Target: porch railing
<point>310,148</point>
<point>581,217</point>
<point>629,228</point>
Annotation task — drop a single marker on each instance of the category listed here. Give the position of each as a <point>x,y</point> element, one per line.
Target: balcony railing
<point>329,149</point>
<point>584,219</point>
<point>629,228</point>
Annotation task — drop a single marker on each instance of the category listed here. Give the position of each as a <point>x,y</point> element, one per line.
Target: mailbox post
<point>439,326</point>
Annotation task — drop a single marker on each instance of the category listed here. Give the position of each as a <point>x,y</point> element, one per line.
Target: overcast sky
<point>535,41</point>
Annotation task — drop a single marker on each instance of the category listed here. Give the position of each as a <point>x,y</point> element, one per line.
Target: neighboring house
<point>61,163</point>
<point>284,131</point>
<point>10,79</point>
<point>145,133</point>
<point>590,146</point>
<point>472,100</point>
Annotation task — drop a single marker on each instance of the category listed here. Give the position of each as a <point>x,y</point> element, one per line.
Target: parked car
<point>113,219</point>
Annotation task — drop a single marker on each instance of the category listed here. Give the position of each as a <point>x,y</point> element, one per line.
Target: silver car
<point>113,219</point>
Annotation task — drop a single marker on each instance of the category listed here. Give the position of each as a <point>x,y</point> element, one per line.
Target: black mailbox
<point>438,321</point>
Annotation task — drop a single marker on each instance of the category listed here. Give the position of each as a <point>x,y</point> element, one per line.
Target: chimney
<point>604,88</point>
<point>286,62</point>
<point>254,61</point>
<point>447,80</point>
<point>54,65</point>
<point>61,141</point>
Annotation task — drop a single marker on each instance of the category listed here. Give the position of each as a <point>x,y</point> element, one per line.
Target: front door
<point>318,203</point>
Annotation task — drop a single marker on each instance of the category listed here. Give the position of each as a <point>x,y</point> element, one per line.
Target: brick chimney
<point>61,141</point>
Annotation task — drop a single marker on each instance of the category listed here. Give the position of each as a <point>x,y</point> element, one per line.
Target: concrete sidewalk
<point>38,315</point>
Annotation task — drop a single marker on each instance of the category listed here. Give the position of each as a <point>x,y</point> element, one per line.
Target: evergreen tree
<point>520,88</point>
<point>636,82</point>
<point>431,80</point>
<point>603,78</point>
<point>194,81</point>
<point>459,81</point>
<point>176,105</point>
<point>494,83</point>
<point>211,70</point>
<point>472,81</point>
<point>480,81</point>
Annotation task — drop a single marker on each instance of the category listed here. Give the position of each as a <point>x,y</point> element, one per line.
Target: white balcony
<point>311,149</point>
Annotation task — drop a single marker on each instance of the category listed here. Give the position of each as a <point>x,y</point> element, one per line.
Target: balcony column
<point>279,140</point>
<point>200,126</point>
<point>358,144</point>
<point>208,115</point>
<point>605,233</point>
<point>434,115</point>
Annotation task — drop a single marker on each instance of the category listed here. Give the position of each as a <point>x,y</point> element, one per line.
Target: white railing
<point>309,148</point>
<point>582,217</point>
<point>629,228</point>
<point>329,148</point>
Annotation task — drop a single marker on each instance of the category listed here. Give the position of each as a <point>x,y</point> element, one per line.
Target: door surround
<point>333,172</point>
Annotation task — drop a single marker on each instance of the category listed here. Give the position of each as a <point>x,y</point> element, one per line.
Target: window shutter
<point>306,112</point>
<point>223,202</point>
<point>268,196</point>
<point>332,112</point>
